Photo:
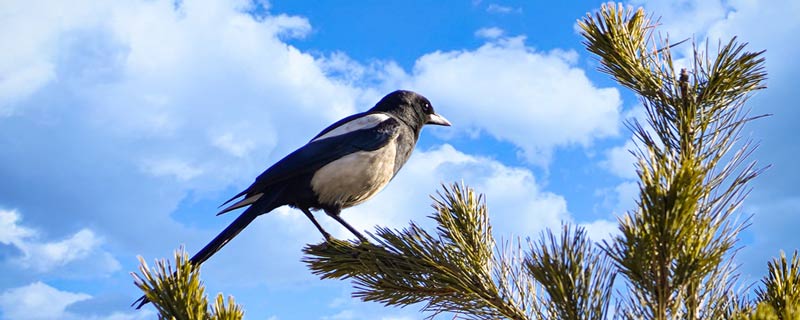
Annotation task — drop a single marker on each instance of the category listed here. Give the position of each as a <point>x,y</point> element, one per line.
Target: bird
<point>345,164</point>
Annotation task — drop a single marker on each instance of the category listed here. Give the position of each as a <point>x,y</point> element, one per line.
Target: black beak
<point>437,120</point>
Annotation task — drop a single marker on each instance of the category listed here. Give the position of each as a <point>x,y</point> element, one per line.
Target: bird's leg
<point>319,227</point>
<point>335,215</point>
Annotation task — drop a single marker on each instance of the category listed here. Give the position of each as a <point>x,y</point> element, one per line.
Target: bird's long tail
<point>264,205</point>
<point>225,236</point>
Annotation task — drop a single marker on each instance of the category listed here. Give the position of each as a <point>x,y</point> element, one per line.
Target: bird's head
<point>411,108</point>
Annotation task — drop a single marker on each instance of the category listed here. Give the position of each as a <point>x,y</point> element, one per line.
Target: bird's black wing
<point>317,154</point>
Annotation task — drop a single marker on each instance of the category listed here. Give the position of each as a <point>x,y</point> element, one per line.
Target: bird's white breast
<point>356,177</point>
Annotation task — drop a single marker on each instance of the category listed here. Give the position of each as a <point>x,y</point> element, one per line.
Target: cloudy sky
<point>123,124</point>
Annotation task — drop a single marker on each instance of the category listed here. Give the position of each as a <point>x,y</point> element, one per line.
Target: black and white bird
<point>344,165</point>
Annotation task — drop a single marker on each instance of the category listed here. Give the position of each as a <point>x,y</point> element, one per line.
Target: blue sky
<point>124,124</point>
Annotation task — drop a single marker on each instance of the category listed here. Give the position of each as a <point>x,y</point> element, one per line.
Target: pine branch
<point>781,288</point>
<point>576,277</point>
<point>676,248</point>
<point>764,311</point>
<point>455,270</point>
<point>222,311</point>
<point>177,293</point>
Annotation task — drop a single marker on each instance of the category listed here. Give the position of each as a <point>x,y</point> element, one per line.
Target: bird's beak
<point>437,120</point>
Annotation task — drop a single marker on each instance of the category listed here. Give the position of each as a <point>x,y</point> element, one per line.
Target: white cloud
<point>22,83</point>
<point>620,161</point>
<point>501,9</point>
<point>47,256</point>
<point>175,167</point>
<point>43,257</point>
<point>600,230</point>
<point>10,231</point>
<point>341,315</point>
<point>38,301</point>
<point>682,19</point>
<point>28,60</point>
<point>535,100</point>
<point>289,26</point>
<point>489,33</point>
<point>626,194</point>
<point>235,146</point>
<point>137,85</point>
<point>339,65</point>
<point>616,200</point>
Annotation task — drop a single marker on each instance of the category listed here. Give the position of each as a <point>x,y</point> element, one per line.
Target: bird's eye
<point>427,107</point>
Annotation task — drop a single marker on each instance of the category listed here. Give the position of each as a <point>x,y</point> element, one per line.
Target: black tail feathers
<point>263,205</point>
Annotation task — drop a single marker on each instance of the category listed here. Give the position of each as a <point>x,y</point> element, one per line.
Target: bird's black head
<point>411,108</point>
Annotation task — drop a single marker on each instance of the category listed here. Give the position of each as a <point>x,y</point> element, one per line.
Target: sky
<point>124,124</point>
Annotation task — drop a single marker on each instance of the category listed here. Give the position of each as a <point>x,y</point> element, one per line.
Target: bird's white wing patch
<point>365,122</point>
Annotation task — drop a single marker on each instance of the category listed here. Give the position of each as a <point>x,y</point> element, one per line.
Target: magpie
<point>346,164</point>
